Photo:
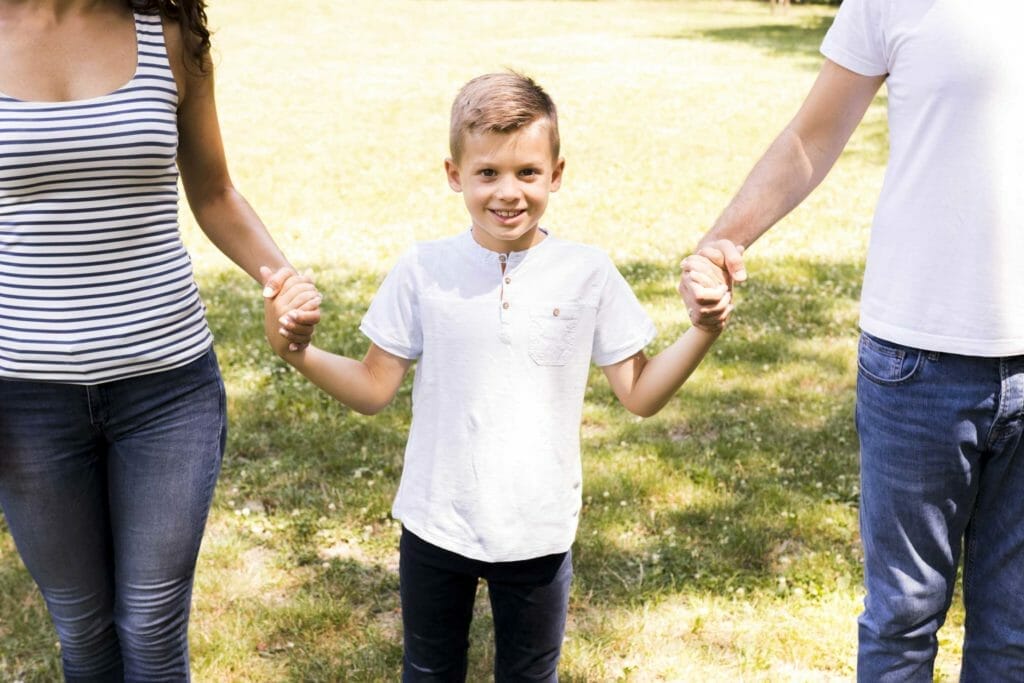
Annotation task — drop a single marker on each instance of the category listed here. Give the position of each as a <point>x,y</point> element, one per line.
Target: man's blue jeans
<point>942,468</point>
<point>529,601</point>
<point>106,491</point>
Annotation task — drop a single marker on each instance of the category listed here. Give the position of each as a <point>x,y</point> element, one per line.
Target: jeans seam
<point>902,380</point>
<point>88,404</point>
<point>996,429</point>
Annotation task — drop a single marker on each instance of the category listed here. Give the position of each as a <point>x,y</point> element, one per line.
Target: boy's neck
<point>526,241</point>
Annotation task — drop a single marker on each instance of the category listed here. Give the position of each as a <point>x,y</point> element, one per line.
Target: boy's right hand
<point>706,283</point>
<point>303,321</point>
<point>295,296</point>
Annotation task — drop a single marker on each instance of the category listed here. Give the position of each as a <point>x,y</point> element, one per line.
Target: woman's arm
<point>220,210</point>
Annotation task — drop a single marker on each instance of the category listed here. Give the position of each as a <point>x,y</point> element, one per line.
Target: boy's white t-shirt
<point>492,466</point>
<point>945,267</point>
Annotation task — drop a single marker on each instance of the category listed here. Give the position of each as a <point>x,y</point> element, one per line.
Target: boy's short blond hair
<point>500,103</point>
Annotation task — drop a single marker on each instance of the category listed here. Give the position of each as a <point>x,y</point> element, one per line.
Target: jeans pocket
<point>553,333</point>
<point>884,362</point>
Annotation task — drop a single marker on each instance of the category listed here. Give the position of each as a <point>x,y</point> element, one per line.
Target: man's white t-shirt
<point>945,267</point>
<point>492,466</point>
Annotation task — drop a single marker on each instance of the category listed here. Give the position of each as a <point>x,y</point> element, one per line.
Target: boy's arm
<point>366,386</point>
<point>644,385</point>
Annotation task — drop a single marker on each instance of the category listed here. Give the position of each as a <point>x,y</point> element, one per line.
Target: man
<point>940,391</point>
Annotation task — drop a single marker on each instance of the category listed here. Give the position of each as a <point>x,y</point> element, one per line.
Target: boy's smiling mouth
<point>507,213</point>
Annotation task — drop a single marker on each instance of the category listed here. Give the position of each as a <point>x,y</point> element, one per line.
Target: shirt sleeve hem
<point>848,60</point>
<point>623,352</point>
<point>389,345</point>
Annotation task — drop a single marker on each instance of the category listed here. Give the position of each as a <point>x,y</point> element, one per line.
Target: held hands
<point>707,281</point>
<point>291,308</point>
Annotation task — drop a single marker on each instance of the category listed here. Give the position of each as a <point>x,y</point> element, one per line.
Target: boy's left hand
<point>291,309</point>
<point>706,289</point>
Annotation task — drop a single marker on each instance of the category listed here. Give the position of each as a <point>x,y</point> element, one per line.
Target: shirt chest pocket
<point>554,332</point>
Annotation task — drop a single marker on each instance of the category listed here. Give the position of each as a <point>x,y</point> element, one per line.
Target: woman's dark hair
<point>191,14</point>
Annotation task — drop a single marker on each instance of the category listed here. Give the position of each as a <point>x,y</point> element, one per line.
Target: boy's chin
<point>505,239</point>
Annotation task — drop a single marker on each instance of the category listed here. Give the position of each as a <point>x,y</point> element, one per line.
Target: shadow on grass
<point>760,448</point>
<point>753,474</point>
<point>27,651</point>
<point>794,35</point>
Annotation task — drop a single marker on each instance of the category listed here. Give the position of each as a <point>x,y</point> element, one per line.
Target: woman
<point>112,414</point>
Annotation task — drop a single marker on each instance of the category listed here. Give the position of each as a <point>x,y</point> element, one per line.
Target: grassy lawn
<point>718,540</point>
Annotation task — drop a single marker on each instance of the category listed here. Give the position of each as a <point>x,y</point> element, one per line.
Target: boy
<point>504,320</point>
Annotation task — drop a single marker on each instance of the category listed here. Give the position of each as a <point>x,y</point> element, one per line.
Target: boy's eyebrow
<point>487,163</point>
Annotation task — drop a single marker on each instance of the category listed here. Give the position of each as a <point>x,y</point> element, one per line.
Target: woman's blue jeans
<point>106,490</point>
<point>942,468</point>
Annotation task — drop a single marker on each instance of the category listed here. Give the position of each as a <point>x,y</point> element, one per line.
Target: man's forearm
<point>780,180</point>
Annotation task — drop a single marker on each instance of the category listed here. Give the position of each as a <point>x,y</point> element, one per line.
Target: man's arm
<point>795,163</point>
<point>800,157</point>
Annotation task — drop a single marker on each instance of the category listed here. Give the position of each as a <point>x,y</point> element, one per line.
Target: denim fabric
<point>106,490</point>
<point>942,468</point>
<point>529,601</point>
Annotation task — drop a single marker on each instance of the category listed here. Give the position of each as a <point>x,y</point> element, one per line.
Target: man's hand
<point>706,283</point>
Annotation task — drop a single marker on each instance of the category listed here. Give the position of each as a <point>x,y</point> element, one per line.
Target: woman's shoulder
<point>182,47</point>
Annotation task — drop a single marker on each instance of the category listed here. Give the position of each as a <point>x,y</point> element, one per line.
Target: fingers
<point>274,281</point>
<point>298,313</point>
<point>702,283</point>
<point>714,316</point>
<point>712,323</point>
<point>295,293</point>
<point>297,325</point>
<point>726,255</point>
<point>706,281</point>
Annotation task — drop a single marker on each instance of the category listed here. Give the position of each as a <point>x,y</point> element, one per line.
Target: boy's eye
<point>529,172</point>
<point>488,173</point>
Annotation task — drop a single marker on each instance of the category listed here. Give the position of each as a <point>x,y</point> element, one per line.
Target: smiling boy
<point>503,321</point>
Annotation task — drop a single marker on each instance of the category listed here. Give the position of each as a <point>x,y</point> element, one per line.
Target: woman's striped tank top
<point>95,283</point>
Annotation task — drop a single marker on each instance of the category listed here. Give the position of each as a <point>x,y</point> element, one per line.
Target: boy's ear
<point>556,174</point>
<point>451,169</point>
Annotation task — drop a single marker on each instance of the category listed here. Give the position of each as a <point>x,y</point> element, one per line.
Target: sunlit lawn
<point>718,541</point>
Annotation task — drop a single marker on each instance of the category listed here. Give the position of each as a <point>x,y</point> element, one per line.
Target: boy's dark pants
<point>529,601</point>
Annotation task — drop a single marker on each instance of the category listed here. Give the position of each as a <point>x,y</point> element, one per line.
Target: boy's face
<point>505,180</point>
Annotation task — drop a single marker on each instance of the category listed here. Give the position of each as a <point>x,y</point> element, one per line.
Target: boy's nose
<point>507,188</point>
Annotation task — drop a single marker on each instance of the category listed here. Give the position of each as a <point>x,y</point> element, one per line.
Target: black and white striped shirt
<point>95,283</point>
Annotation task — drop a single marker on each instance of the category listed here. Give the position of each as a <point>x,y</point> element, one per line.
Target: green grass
<point>718,540</point>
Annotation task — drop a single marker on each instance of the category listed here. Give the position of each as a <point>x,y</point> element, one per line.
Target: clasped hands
<point>292,308</point>
<point>706,283</point>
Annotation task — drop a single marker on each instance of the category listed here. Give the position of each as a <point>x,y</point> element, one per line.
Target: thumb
<point>269,291</point>
<point>734,261</point>
<point>273,281</point>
